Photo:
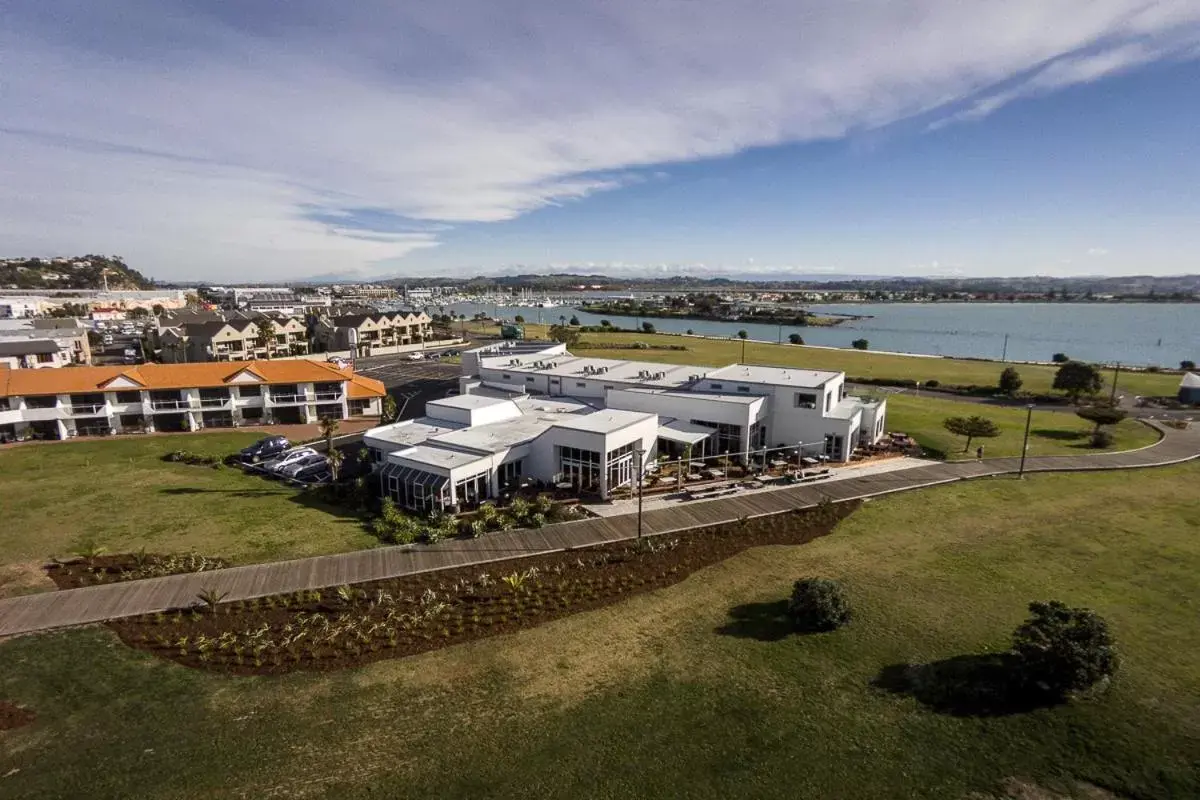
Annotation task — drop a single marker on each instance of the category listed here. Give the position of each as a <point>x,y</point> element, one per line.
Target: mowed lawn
<point>668,695</point>
<point>1050,432</point>
<point>855,363</point>
<point>121,495</point>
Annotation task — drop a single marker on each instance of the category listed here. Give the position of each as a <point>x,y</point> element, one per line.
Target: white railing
<point>288,398</point>
<point>86,409</point>
<point>322,397</point>
<point>214,402</point>
<point>171,405</point>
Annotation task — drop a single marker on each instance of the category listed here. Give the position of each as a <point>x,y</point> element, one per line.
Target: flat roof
<point>411,432</point>
<point>774,376</point>
<point>719,397</point>
<point>469,401</point>
<point>603,370</point>
<point>606,421</point>
<point>496,437</point>
<point>436,457</point>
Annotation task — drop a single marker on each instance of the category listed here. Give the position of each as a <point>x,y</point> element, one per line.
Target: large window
<point>806,400</point>
<point>473,490</point>
<point>728,438</point>
<point>415,489</point>
<point>580,468</point>
<point>511,471</point>
<point>129,397</point>
<point>621,466</point>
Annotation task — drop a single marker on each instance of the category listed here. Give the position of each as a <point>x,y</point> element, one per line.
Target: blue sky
<point>230,141</point>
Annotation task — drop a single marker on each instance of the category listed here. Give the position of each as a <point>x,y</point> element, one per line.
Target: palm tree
<point>266,335</point>
<point>335,459</point>
<point>328,427</point>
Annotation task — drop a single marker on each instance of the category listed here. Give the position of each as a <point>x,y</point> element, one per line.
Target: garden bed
<point>350,625</point>
<point>95,570</point>
<point>14,716</point>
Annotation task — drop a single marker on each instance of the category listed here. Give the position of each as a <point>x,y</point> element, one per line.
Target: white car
<point>338,361</point>
<point>416,357</point>
<point>299,464</point>
<point>291,457</point>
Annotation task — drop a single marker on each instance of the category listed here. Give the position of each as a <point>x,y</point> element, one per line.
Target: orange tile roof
<point>360,387</point>
<point>78,380</point>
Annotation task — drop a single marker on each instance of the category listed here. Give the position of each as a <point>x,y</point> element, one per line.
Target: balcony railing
<point>86,409</point>
<point>214,402</point>
<point>326,397</point>
<point>288,398</point>
<point>171,405</point>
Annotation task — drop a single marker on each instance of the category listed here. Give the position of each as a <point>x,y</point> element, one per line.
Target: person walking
<point>979,453</point>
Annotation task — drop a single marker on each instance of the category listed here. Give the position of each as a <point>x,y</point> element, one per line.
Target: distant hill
<point>78,272</point>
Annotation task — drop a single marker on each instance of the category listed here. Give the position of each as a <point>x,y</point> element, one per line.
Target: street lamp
<point>1025,445</point>
<point>637,457</point>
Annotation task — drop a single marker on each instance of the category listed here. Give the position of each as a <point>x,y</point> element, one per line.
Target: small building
<point>1189,389</point>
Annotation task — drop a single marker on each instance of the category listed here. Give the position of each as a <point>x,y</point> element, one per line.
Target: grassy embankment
<point>692,691</point>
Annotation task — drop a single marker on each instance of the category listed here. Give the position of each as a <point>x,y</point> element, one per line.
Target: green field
<point>121,495</point>
<point>855,363</point>
<point>1050,432</point>
<point>667,695</point>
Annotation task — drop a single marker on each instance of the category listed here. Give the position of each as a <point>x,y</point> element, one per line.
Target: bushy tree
<point>1101,415</point>
<point>648,327</point>
<point>1063,650</point>
<point>388,411</point>
<point>860,344</point>
<point>574,321</point>
<point>1076,379</point>
<point>566,335</point>
<point>1060,358</point>
<point>1010,381</point>
<point>974,427</point>
<point>743,334</point>
<point>519,319</point>
<point>818,604</point>
<point>795,338</point>
<point>605,323</point>
<point>1101,440</point>
<point>1187,365</point>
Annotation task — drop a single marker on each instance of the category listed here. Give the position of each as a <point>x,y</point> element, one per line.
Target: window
<point>744,389</point>
<point>129,397</point>
<point>728,438</point>
<point>511,471</point>
<point>828,398</point>
<point>554,380</point>
<point>806,400</point>
<point>250,391</point>
<point>505,376</point>
<point>41,402</point>
<point>45,358</point>
<point>716,386</point>
<point>529,379</point>
<point>580,385</point>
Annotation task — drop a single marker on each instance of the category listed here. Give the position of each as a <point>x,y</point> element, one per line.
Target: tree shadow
<point>1057,435</point>
<point>185,490</point>
<point>976,685</point>
<point>766,622</point>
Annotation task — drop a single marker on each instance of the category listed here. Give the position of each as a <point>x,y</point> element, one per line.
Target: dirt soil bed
<point>351,625</point>
<point>95,570</point>
<point>13,716</point>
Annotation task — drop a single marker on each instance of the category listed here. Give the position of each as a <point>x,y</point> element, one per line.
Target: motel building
<point>533,411</point>
<point>102,401</point>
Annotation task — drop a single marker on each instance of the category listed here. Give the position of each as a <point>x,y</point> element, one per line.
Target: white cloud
<point>194,143</point>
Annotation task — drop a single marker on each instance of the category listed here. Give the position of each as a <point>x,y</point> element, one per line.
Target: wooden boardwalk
<point>49,610</point>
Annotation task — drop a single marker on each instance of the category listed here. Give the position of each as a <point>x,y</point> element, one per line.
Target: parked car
<point>338,361</point>
<point>416,356</point>
<point>263,449</point>
<point>289,471</point>
<point>289,458</point>
<point>313,473</point>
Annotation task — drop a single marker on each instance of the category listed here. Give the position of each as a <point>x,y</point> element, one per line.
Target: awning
<point>409,476</point>
<point>684,432</point>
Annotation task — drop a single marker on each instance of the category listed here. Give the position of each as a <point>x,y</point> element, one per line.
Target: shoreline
<point>829,320</point>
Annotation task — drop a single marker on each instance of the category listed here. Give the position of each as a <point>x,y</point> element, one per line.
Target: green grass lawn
<point>1050,433</point>
<point>120,494</point>
<point>660,696</point>
<point>859,364</point>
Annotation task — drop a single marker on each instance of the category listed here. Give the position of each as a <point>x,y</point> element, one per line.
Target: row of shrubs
<point>1058,652</point>
<point>631,346</point>
<point>394,526</point>
<point>965,390</point>
<point>199,459</point>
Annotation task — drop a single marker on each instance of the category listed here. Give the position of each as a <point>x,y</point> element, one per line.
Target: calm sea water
<point>1131,333</point>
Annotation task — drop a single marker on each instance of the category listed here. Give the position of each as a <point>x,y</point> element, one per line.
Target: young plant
<point>211,597</point>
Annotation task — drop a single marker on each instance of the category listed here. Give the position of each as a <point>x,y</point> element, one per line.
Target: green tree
<point>1060,358</point>
<point>647,327</point>
<point>388,412</point>
<point>519,319</point>
<point>137,313</point>
<point>1010,381</point>
<point>1101,415</point>
<point>1074,378</point>
<point>860,344</point>
<point>818,604</point>
<point>1187,366</point>
<point>574,321</point>
<point>1062,650</point>
<point>564,334</point>
<point>690,332</point>
<point>157,309</point>
<point>266,335</point>
<point>974,427</point>
<point>605,323</point>
<point>795,338</point>
<point>742,334</point>
<point>328,427</point>
<point>334,458</point>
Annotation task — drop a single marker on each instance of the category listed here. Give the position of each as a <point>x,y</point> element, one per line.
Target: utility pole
<point>1112,398</point>
<point>743,351</point>
<point>1025,445</point>
<point>779,338</point>
<point>1004,355</point>
<point>637,456</point>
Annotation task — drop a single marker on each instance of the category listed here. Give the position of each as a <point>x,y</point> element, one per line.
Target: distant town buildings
<point>43,343</point>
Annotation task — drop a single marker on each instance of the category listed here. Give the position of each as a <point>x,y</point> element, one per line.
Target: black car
<point>265,448</point>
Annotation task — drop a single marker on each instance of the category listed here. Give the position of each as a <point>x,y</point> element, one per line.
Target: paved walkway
<point>98,603</point>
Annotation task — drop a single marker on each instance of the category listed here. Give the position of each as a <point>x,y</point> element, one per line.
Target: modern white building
<point>534,410</point>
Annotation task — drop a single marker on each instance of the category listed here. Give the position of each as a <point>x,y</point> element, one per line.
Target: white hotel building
<point>534,410</point>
